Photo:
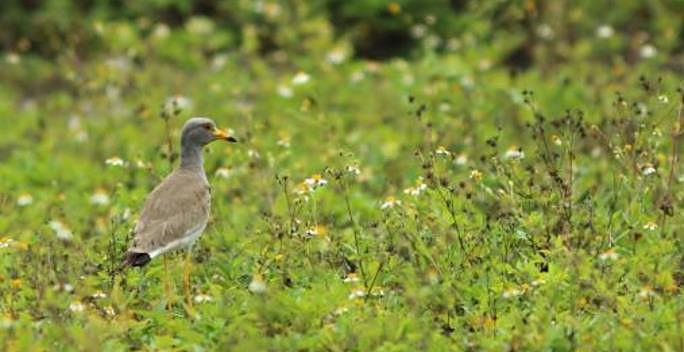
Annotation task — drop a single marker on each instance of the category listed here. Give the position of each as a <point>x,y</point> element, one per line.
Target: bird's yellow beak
<point>220,134</point>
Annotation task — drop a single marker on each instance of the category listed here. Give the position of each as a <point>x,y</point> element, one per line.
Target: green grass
<point>575,245</point>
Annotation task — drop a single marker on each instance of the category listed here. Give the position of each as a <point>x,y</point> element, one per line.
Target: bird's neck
<point>191,157</point>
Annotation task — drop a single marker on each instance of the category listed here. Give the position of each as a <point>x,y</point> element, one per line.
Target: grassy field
<point>441,201</point>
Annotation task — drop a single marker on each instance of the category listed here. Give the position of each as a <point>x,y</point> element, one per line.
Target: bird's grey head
<point>199,131</point>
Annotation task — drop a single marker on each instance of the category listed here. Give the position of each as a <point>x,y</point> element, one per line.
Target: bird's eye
<point>207,126</point>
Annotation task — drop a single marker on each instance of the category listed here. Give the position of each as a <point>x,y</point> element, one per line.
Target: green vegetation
<point>413,175</point>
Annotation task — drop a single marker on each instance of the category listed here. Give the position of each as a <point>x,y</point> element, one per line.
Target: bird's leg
<point>186,277</point>
<point>167,284</point>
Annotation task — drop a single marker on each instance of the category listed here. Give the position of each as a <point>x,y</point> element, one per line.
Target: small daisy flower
<point>77,307</point>
<point>648,51</point>
<point>610,254</point>
<point>303,188</point>
<point>257,285</point>
<point>341,310</point>
<point>13,58</point>
<point>646,292</point>
<point>24,200</point>
<point>418,189</point>
<point>461,159</point>
<point>316,231</point>
<point>301,78</point>
<point>512,293</point>
<point>336,56</point>
<point>650,226</point>
<point>253,154</point>
<point>141,164</point>
<point>390,202</point>
<point>475,175</point>
<point>353,169</point>
<point>177,102</point>
<point>61,231</point>
<point>538,282</point>
<point>604,31</point>
<point>222,172</point>
<point>316,181</point>
<point>99,295</point>
<point>6,243</point>
<point>351,277</point>
<point>663,99</point>
<point>514,154</point>
<point>545,31</point>
<point>358,292</point>
<point>285,91</point>
<point>441,150</point>
<point>556,140</point>
<point>114,161</point>
<point>648,169</point>
<point>283,142</point>
<point>202,298</point>
<point>100,197</point>
<point>109,310</point>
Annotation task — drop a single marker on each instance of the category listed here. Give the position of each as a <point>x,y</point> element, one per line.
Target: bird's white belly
<point>183,242</point>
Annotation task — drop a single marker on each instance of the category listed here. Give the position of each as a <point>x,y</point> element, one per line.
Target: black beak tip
<point>231,139</point>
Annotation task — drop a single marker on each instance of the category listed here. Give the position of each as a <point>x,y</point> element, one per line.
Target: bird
<point>176,212</point>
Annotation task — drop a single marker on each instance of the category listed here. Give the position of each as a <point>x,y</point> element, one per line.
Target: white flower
<point>390,202</point>
<point>76,307</point>
<point>6,243</point>
<point>511,293</point>
<point>336,56</point>
<point>461,159</point>
<point>340,311</point>
<point>650,226</point>
<point>538,282</point>
<point>441,150</point>
<point>100,197</point>
<point>351,277</point>
<point>114,161</point>
<point>218,61</point>
<point>604,31</point>
<point>161,30</point>
<point>13,58</point>
<point>545,31</point>
<point>109,310</point>
<point>99,294</point>
<point>647,170</point>
<point>285,91</point>
<point>418,189</point>
<point>357,76</point>
<point>283,142</point>
<point>663,99</point>
<point>60,230</point>
<point>177,102</point>
<point>514,154</point>
<point>418,31</point>
<point>610,254</point>
<point>648,51</point>
<point>318,230</point>
<point>253,154</point>
<point>475,175</point>
<point>353,169</point>
<point>300,78</point>
<point>202,298</point>
<point>257,285</point>
<point>68,287</point>
<point>316,181</point>
<point>646,293</point>
<point>357,293</point>
<point>222,172</point>
<point>24,200</point>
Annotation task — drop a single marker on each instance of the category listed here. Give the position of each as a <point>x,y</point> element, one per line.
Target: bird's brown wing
<point>179,205</point>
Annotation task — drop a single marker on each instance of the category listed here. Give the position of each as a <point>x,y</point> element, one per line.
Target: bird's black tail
<point>135,259</point>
